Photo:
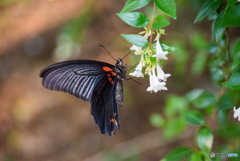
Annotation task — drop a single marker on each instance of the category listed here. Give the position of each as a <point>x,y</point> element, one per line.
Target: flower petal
<point>138,71</point>
<point>135,48</point>
<point>161,75</point>
<point>159,51</point>
<point>155,84</point>
<point>236,113</point>
<point>158,46</point>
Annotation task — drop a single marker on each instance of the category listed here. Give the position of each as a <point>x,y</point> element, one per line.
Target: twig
<point>215,110</point>
<point>152,22</point>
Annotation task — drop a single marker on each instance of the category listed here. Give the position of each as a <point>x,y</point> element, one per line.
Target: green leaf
<point>167,47</point>
<point>135,19</point>
<point>137,40</point>
<point>204,100</point>
<point>180,57</point>
<point>196,156</point>
<point>209,110</point>
<point>212,32</point>
<point>198,41</point>
<point>224,42</point>
<point>217,74</point>
<point>71,35</point>
<point>236,54</point>
<point>223,118</point>
<point>194,117</point>
<point>212,16</point>
<point>218,28</point>
<point>174,105</point>
<point>167,6</point>
<point>175,127</point>
<point>232,17</point>
<point>205,139</point>
<point>217,61</point>
<point>213,48</point>
<point>208,7</point>
<point>160,22</point>
<point>230,3</point>
<point>234,81</point>
<point>224,103</point>
<point>231,131</point>
<point>194,94</point>
<point>156,120</point>
<point>199,62</point>
<point>178,154</point>
<point>134,4</point>
<point>234,95</point>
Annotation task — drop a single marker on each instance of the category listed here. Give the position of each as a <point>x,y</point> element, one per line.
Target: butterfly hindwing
<point>77,77</point>
<point>104,106</point>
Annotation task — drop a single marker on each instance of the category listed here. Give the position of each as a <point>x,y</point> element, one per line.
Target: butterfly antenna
<point>127,54</point>
<point>107,51</point>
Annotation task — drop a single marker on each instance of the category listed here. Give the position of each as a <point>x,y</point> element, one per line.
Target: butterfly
<point>95,81</point>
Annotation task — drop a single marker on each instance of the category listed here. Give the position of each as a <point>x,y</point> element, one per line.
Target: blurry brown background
<point>37,124</point>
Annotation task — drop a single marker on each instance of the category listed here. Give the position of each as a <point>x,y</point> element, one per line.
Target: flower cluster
<point>157,82</point>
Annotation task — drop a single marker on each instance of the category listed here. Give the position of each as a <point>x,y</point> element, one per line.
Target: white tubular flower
<point>135,48</point>
<point>138,71</point>
<point>155,84</point>
<point>159,51</point>
<point>161,75</point>
<point>236,113</point>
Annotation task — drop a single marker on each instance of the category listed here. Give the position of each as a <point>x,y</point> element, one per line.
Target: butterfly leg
<point>130,67</point>
<point>133,80</point>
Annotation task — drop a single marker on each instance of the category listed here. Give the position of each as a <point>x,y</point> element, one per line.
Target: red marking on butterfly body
<point>107,69</point>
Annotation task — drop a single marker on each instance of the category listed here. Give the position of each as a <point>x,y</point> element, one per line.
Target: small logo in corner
<point>212,154</point>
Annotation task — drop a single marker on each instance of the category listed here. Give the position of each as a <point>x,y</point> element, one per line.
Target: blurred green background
<point>42,125</point>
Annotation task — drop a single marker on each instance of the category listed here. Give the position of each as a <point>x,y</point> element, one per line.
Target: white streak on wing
<point>77,83</point>
<point>63,83</point>
<point>90,84</point>
<point>59,79</point>
<point>67,85</point>
<point>84,86</point>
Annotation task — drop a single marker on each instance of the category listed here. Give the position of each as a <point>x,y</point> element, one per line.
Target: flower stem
<point>215,110</point>
<point>223,88</point>
<point>221,93</point>
<point>151,23</point>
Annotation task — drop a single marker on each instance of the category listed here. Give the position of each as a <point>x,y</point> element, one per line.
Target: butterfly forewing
<point>77,77</point>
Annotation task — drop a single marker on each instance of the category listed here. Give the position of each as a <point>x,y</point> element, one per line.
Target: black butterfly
<point>94,81</point>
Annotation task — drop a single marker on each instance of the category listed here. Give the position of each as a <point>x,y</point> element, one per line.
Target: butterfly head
<point>119,61</point>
